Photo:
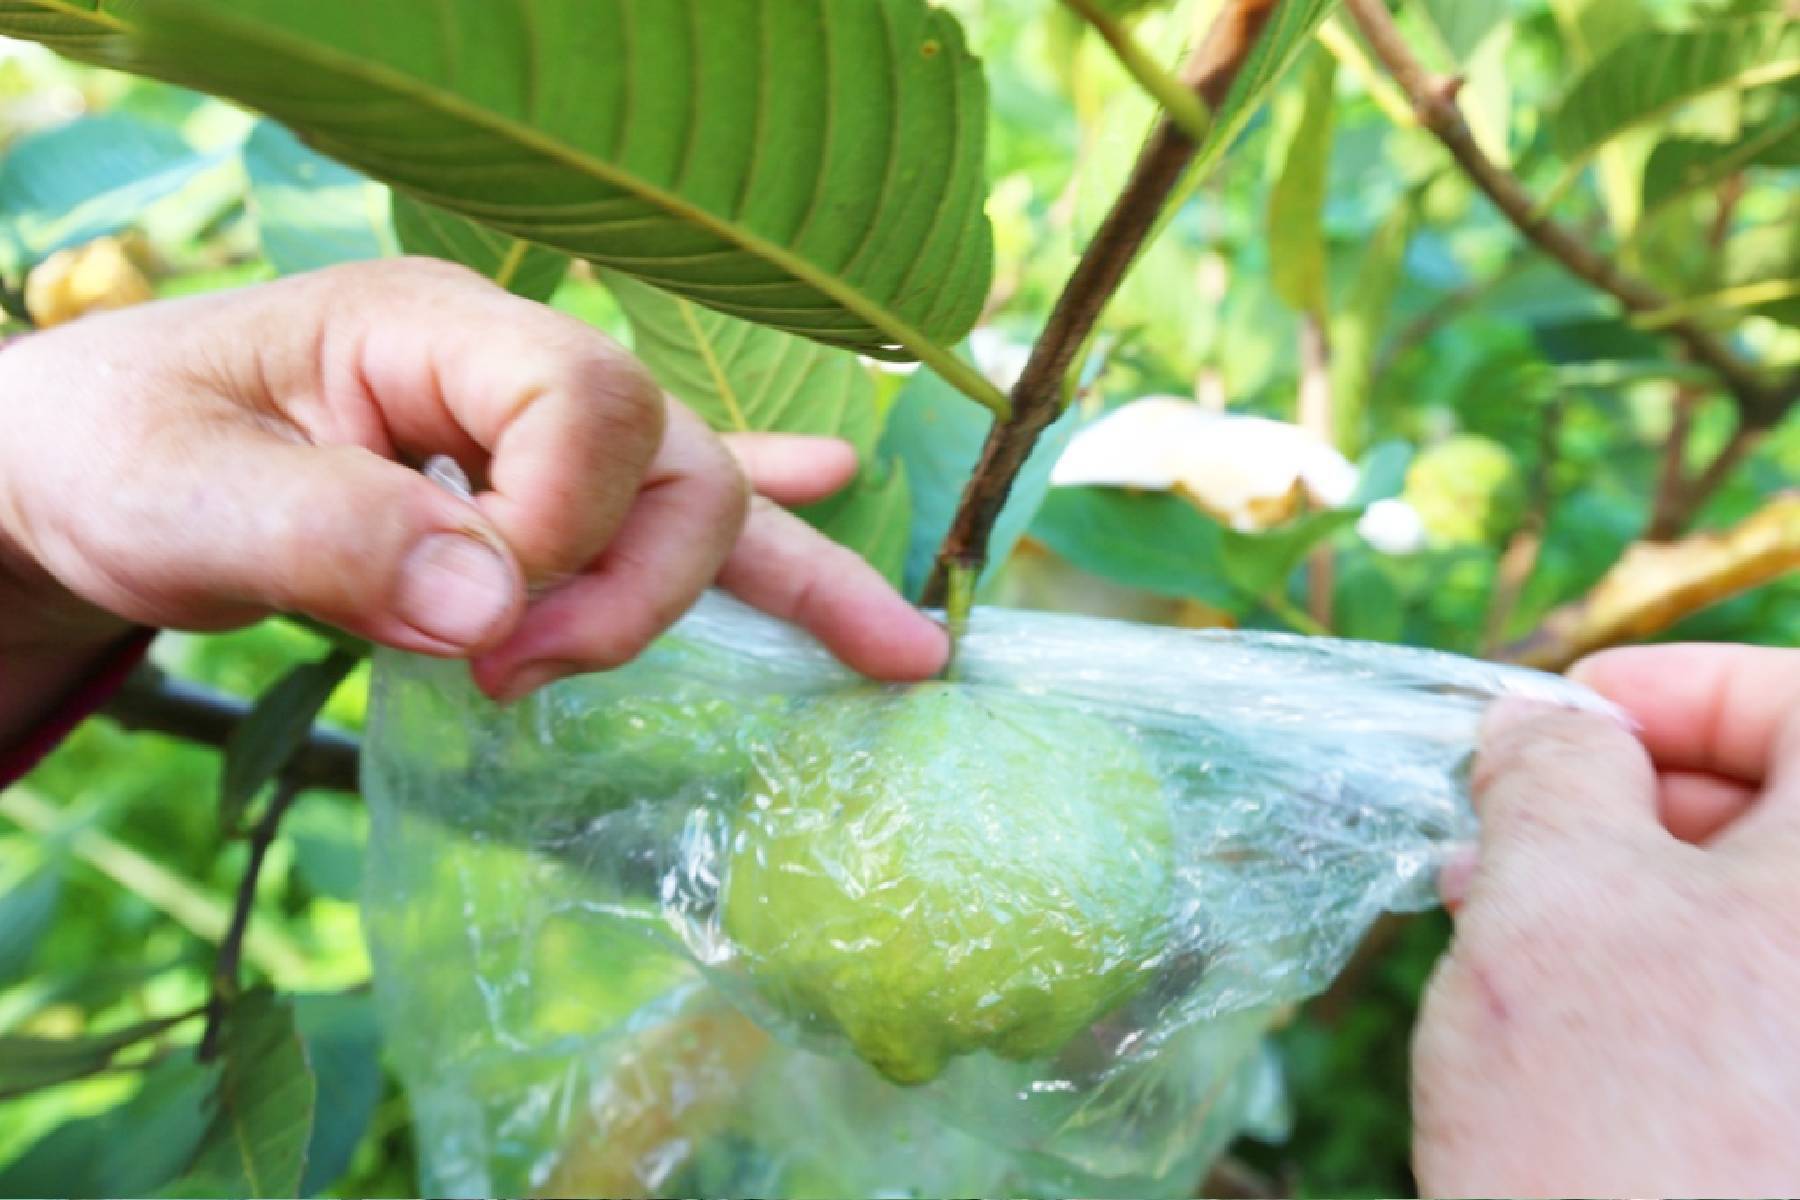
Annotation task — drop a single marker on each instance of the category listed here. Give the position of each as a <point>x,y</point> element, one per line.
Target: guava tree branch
<point>1037,397</point>
<point>226,968</point>
<point>152,702</point>
<point>1761,401</point>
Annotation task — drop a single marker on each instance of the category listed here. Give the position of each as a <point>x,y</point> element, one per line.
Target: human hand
<point>1617,1014</point>
<point>201,463</point>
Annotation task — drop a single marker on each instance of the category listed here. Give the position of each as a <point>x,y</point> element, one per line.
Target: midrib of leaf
<point>703,344</point>
<point>240,1142</point>
<point>509,266</point>
<point>98,16</point>
<point>945,363</point>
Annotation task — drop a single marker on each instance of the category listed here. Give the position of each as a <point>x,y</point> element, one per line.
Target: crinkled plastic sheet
<point>731,922</point>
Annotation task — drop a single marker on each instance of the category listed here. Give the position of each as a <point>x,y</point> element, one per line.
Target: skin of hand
<point>201,463</point>
<point>1619,1012</point>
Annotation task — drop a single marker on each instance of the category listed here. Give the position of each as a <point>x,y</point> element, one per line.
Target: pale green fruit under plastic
<point>932,872</point>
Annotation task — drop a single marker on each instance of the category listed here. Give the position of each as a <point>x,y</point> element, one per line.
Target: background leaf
<point>133,1149</point>
<point>343,1047</point>
<point>310,211</point>
<point>262,1107</point>
<point>1297,265</point>
<point>27,908</point>
<point>937,437</point>
<point>516,265</point>
<point>87,179</point>
<point>30,1063</point>
<point>1650,72</point>
<point>276,727</point>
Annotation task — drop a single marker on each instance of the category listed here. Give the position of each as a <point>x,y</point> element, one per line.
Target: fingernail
<point>454,588</point>
<point>1456,874</point>
<point>530,678</point>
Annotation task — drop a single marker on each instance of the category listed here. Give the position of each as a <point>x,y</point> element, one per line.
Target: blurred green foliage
<point>115,881</point>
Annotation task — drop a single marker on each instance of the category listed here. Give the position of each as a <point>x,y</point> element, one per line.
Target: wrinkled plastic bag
<point>730,921</point>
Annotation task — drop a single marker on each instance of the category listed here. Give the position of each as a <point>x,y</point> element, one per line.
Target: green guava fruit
<point>932,872</point>
<point>1468,491</point>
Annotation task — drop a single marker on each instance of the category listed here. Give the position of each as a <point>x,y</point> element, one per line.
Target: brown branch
<point>152,702</point>
<point>1037,397</point>
<point>1655,586</point>
<point>1761,401</point>
<point>226,968</point>
<point>1666,520</point>
<point>1680,499</point>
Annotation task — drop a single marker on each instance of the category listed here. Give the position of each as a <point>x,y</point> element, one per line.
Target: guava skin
<point>933,873</point>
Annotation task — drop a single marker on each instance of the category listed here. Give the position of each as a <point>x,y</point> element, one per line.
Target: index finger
<point>1717,709</point>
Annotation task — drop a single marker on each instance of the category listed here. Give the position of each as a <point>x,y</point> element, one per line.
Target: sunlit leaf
<point>1648,74</point>
<point>1297,204</point>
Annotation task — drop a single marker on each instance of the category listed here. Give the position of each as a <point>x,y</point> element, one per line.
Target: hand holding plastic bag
<point>1040,915</point>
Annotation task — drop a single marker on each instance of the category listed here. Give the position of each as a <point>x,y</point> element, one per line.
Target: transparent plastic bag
<point>730,921</point>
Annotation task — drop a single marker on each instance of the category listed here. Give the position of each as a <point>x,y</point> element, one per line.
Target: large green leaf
<point>310,211</point>
<point>743,378</point>
<point>533,272</point>
<point>1651,72</point>
<point>262,1109</point>
<point>814,165</point>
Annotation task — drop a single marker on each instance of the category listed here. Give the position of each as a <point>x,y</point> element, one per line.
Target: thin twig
<point>1762,402</point>
<point>1318,415</point>
<point>152,702</point>
<point>1675,512</point>
<point>226,968</point>
<point>1037,397</point>
<point>1670,501</point>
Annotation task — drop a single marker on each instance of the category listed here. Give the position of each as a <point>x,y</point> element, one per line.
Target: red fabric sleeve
<point>87,698</point>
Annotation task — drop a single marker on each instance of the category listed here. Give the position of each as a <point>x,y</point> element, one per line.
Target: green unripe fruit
<point>932,873</point>
<point>1467,490</point>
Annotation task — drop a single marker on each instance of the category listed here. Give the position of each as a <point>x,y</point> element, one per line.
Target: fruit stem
<point>959,603</point>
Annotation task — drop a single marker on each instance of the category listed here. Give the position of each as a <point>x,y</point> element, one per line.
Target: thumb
<point>342,535</point>
<point>1548,775</point>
